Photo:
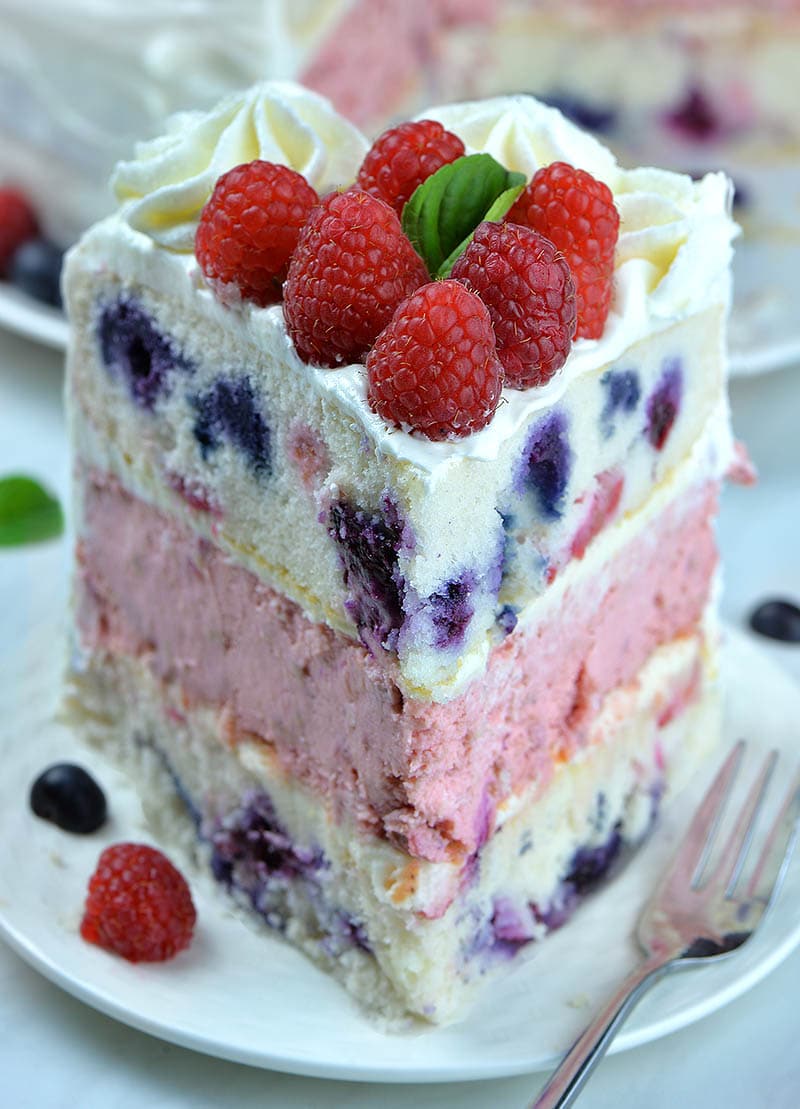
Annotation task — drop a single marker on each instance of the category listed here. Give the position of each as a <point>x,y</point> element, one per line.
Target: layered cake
<point>396,595</point>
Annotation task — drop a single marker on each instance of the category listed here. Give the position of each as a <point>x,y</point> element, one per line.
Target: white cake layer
<point>433,929</point>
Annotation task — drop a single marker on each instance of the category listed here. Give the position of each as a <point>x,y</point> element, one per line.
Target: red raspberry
<point>435,367</point>
<point>405,156</point>
<point>352,267</point>
<point>250,227</point>
<point>138,905</point>
<point>577,213</point>
<point>529,292</point>
<point>18,223</point>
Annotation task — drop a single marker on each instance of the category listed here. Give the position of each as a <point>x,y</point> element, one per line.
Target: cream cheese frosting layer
<point>672,261</point>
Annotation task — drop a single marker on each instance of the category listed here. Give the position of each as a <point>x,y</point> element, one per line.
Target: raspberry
<point>352,267</point>
<point>138,905</point>
<point>405,156</point>
<point>529,292</point>
<point>18,223</point>
<point>435,367</point>
<point>250,226</point>
<point>577,213</point>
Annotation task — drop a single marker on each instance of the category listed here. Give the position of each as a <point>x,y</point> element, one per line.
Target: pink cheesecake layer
<point>427,776</point>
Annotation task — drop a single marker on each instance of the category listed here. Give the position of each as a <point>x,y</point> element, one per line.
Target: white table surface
<point>56,1052</point>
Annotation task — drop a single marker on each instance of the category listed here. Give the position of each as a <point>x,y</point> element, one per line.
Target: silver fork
<point>693,917</point>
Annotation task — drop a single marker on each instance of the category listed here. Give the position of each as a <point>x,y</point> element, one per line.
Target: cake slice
<point>408,698</point>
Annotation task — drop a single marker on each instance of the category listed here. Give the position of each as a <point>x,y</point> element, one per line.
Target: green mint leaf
<point>28,513</point>
<point>496,212</point>
<point>445,209</point>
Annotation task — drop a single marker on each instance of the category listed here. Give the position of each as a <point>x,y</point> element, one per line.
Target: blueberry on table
<point>777,619</point>
<point>36,270</point>
<point>68,796</point>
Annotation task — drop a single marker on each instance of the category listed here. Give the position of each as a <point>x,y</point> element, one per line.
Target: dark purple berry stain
<point>600,118</point>
<point>229,411</point>
<point>623,393</point>
<point>777,619</point>
<point>251,852</point>
<point>250,846</point>
<point>545,465</point>
<point>134,349</point>
<point>506,619</point>
<point>68,796</point>
<point>369,543</point>
<point>664,403</point>
<point>36,269</point>
<point>451,610</point>
<point>695,117</point>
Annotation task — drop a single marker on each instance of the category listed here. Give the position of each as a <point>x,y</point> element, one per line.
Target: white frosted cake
<point>410,697</point>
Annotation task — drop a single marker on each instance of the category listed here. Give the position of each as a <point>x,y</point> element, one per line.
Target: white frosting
<point>673,256</point>
<point>163,189</point>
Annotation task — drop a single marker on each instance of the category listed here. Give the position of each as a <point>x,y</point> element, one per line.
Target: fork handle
<point>587,1051</point>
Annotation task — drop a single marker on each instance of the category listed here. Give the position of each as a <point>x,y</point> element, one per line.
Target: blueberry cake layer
<point>404,935</point>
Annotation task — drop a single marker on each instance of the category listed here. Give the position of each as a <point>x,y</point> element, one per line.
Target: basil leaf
<point>445,209</point>
<point>28,513</point>
<point>503,204</point>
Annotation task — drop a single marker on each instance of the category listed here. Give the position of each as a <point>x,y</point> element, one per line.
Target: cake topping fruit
<point>577,213</point>
<point>67,795</point>
<point>352,267</point>
<point>18,224</point>
<point>138,905</point>
<point>405,156</point>
<point>250,227</point>
<point>528,289</point>
<point>434,368</point>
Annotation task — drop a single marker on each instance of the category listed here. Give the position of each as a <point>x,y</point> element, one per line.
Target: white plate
<point>31,319</point>
<point>244,995</point>
<point>765,333</point>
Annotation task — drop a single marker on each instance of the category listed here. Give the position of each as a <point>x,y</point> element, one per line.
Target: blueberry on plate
<point>777,619</point>
<point>36,270</point>
<point>68,796</point>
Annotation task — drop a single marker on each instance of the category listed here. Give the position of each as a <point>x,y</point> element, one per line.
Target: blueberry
<point>133,348</point>
<point>229,410</point>
<point>546,464</point>
<point>451,610</point>
<point>68,796</point>
<point>251,845</point>
<point>591,116</point>
<point>36,269</point>
<point>369,543</point>
<point>695,116</point>
<point>664,403</point>
<point>623,392</point>
<point>777,619</point>
<point>506,619</point>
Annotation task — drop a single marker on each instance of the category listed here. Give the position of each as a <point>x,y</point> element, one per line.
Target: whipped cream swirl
<point>163,189</point>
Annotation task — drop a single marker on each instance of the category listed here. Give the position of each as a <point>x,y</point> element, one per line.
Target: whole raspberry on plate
<point>577,213</point>
<point>18,224</point>
<point>138,905</point>
<point>250,227</point>
<point>352,267</point>
<point>434,368</point>
<point>530,294</point>
<point>405,156</point>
